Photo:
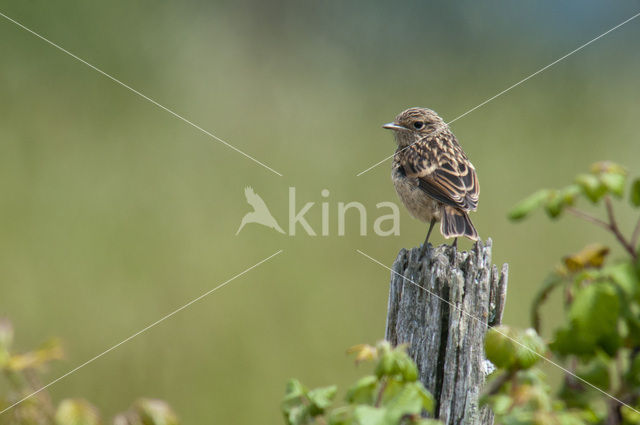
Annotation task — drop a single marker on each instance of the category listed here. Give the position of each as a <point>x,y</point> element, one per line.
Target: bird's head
<point>413,124</point>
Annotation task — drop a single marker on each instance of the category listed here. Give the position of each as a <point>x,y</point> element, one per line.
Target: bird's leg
<point>426,240</point>
<point>454,250</point>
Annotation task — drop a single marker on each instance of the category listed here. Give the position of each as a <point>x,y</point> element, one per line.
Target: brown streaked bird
<point>432,175</point>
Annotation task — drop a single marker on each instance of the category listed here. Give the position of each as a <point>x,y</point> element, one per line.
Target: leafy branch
<point>392,395</point>
<point>605,180</point>
<point>600,339</point>
<point>21,371</point>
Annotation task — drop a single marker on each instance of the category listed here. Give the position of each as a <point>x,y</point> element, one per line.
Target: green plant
<point>517,392</point>
<point>606,180</point>
<point>599,343</point>
<point>21,371</point>
<point>392,395</point>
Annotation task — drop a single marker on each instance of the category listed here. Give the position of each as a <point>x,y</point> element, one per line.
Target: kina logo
<point>260,213</point>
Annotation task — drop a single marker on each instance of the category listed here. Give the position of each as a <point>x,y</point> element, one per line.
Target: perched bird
<point>260,213</point>
<point>432,175</point>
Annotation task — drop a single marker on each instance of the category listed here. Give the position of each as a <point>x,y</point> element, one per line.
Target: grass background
<point>114,213</point>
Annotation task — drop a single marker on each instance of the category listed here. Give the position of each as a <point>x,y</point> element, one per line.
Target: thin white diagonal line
<point>175,114</point>
<point>140,331</point>
<point>518,83</point>
<point>501,333</point>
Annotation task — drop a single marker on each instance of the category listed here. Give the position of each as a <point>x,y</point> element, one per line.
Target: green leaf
<point>77,412</point>
<point>320,399</point>
<point>408,401</point>
<point>595,312</point>
<point>625,276</point>
<point>596,371</point>
<point>565,342</point>
<point>407,367</point>
<point>634,196</point>
<point>296,415</point>
<point>614,182</point>
<point>593,322</point>
<point>524,207</point>
<point>554,205</point>
<point>631,314</point>
<point>385,366</point>
<point>340,416</point>
<point>294,388</point>
<point>630,417</point>
<point>633,374</point>
<point>631,328</point>
<point>392,388</point>
<point>363,391</point>
<point>397,392</point>
<point>570,193</point>
<point>574,395</point>
<point>428,402</point>
<point>591,186</point>
<point>294,405</point>
<point>368,415</point>
<point>299,405</point>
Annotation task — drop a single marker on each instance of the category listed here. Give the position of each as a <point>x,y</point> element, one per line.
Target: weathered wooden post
<point>441,305</point>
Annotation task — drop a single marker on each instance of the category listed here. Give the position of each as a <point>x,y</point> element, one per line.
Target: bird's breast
<point>418,203</point>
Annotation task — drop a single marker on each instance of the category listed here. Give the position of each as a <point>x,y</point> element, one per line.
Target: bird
<point>432,175</point>
<point>260,213</point>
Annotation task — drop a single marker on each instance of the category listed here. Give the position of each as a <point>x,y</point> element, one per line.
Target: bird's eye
<point>418,125</point>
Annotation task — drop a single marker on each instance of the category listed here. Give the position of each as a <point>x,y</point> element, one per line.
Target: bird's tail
<point>456,223</point>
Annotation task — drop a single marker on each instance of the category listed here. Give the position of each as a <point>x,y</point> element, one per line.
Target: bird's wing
<point>254,199</point>
<point>443,171</point>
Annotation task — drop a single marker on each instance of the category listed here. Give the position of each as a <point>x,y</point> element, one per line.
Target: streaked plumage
<point>431,173</point>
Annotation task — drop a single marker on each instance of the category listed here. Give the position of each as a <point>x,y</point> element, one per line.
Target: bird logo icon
<point>260,213</point>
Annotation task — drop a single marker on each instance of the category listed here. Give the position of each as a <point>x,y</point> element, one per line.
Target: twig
<point>588,217</point>
<point>616,230</point>
<point>383,386</point>
<point>613,416</point>
<point>499,381</point>
<point>636,235</point>
<point>409,417</point>
<point>612,226</point>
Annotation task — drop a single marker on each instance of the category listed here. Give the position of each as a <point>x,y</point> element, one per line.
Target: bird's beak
<point>393,126</point>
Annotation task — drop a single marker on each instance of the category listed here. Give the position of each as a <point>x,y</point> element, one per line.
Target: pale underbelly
<point>419,204</point>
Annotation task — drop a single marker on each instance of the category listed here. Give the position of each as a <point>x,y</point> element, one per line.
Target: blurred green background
<point>114,213</point>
